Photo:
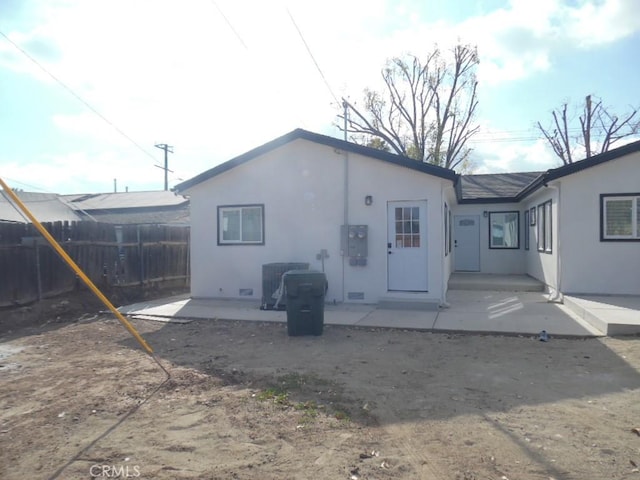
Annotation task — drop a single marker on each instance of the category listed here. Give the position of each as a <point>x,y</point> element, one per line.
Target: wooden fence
<point>110,255</point>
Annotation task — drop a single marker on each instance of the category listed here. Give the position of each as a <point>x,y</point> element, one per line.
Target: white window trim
<point>230,208</point>
<point>635,226</point>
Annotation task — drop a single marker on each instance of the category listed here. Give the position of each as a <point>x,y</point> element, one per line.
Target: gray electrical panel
<point>354,243</point>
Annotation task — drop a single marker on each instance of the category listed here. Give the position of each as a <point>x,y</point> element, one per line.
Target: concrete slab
<point>511,312</point>
<point>614,315</point>
<point>154,318</point>
<point>471,311</point>
<point>515,322</point>
<point>494,282</point>
<point>405,318</point>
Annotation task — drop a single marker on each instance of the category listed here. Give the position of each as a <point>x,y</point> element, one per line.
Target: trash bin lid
<point>312,282</point>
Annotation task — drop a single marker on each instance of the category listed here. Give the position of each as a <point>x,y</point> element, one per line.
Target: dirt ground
<point>79,399</point>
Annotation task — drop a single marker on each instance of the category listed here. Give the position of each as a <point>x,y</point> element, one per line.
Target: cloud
<point>597,23</point>
<point>177,73</point>
<point>522,38</point>
<point>501,155</point>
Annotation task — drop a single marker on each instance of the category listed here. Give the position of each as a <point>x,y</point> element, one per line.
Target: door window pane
<point>407,227</point>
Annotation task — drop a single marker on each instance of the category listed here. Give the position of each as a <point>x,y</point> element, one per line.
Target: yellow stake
<point>56,246</point>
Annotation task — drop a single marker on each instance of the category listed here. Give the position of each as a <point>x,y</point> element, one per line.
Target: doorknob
<point>390,252</point>
<point>455,243</point>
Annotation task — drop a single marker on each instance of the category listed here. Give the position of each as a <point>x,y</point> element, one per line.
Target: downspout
<point>346,204</point>
<point>557,296</point>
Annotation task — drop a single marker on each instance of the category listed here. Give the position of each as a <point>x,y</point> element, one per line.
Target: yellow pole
<point>56,246</point>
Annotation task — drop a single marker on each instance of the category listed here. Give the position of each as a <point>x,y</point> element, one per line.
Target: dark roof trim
<point>555,173</point>
<point>324,140</point>
<point>471,201</point>
<point>593,161</point>
<point>155,208</point>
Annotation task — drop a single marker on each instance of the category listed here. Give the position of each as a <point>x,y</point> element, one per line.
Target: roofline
<point>563,171</point>
<point>299,133</point>
<point>470,201</point>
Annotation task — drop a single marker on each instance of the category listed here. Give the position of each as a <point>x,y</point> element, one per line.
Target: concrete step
<point>613,315</point>
<point>494,283</point>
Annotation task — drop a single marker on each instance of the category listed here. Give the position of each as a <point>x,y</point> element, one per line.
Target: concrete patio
<point>480,303</point>
<point>499,312</point>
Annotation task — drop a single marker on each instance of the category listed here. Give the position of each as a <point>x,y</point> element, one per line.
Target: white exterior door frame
<point>407,246</point>
<point>466,242</point>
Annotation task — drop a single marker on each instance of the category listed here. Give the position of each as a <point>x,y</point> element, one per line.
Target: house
<point>409,225</point>
<point>46,207</point>
<point>132,208</point>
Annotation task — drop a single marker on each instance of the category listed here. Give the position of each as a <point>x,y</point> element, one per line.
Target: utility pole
<point>167,149</point>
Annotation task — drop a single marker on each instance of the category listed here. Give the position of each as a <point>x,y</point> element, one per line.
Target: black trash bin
<point>305,291</point>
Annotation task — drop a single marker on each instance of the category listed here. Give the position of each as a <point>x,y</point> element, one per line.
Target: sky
<point>88,88</point>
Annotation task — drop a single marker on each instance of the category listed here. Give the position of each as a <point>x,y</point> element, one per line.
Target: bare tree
<point>427,109</point>
<point>597,127</point>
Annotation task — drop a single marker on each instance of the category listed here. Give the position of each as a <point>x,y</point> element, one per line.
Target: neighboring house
<point>127,208</point>
<point>575,228</point>
<point>46,207</point>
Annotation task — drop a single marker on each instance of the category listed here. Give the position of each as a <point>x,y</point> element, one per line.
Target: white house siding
<point>449,197</point>
<point>543,265</point>
<point>589,265</point>
<point>498,261</point>
<point>301,186</point>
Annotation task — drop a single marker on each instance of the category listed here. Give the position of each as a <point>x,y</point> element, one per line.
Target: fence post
<point>141,257</point>
<point>36,245</point>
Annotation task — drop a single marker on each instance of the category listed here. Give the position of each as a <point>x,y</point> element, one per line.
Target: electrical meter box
<point>355,240</point>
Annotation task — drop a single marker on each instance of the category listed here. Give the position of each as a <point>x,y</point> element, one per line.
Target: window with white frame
<point>620,217</point>
<point>504,229</point>
<point>241,225</point>
<point>544,230</point>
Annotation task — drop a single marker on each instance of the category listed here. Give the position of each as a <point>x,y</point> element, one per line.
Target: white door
<point>407,246</point>
<point>466,241</point>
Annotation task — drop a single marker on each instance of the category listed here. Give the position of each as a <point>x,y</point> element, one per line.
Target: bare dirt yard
<point>79,399</point>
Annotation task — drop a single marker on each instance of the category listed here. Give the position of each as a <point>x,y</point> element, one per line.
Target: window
<point>504,228</point>
<point>407,227</point>
<point>446,230</point>
<point>450,229</point>
<point>241,225</point>
<point>620,217</point>
<point>527,228</point>
<point>544,236</point>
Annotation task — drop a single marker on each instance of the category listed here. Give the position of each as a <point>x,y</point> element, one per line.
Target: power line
<point>235,32</point>
<point>42,189</point>
<point>277,88</point>
<point>312,57</point>
<point>78,97</point>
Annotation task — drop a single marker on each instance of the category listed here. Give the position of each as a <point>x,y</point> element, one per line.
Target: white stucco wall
<point>449,196</point>
<point>542,265</point>
<point>499,261</point>
<point>588,264</point>
<point>301,187</point>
